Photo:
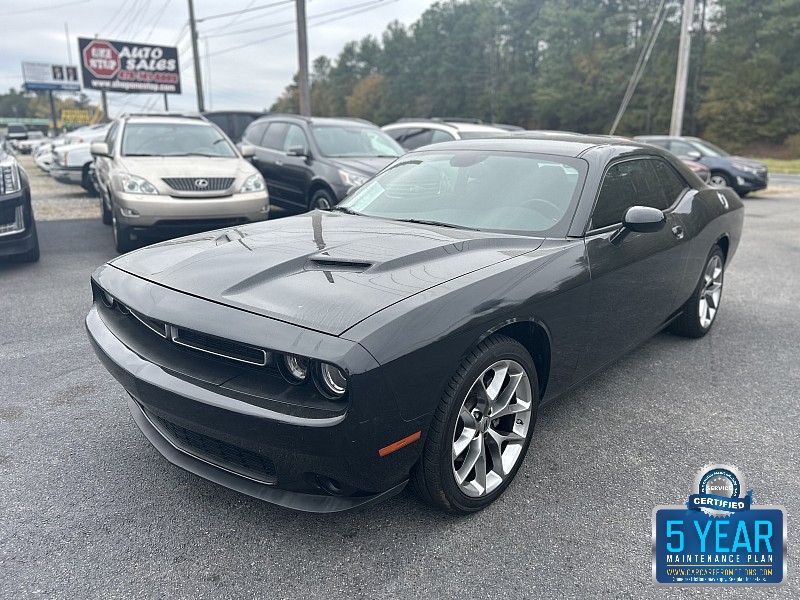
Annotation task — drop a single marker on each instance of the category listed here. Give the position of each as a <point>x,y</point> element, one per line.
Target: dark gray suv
<point>314,162</point>
<point>742,174</point>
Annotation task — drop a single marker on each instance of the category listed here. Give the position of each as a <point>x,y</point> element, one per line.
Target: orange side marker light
<point>399,444</point>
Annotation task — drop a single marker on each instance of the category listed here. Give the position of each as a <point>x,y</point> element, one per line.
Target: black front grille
<point>199,184</point>
<point>219,346</point>
<point>223,454</point>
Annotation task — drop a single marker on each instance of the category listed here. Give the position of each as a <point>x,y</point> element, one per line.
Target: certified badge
<point>717,491</point>
<point>719,537</point>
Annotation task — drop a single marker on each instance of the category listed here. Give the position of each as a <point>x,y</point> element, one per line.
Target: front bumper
<point>66,174</point>
<point>263,445</point>
<point>745,182</point>
<point>16,224</point>
<point>161,210</point>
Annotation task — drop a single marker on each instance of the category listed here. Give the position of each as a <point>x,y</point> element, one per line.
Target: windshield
<point>355,141</point>
<point>505,191</point>
<point>709,149</point>
<point>175,139</point>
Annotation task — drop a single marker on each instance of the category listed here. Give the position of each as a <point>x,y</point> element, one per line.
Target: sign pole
<point>197,76</point>
<point>104,102</point>
<point>53,117</point>
<point>166,104</point>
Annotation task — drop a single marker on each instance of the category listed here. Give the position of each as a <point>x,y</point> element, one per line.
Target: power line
<point>292,21</point>
<point>156,20</point>
<point>40,8</point>
<point>239,12</point>
<point>373,5</point>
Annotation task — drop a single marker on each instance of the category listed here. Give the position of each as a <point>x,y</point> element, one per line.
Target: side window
<point>679,148</point>
<point>671,183</point>
<point>440,136</point>
<point>273,138</point>
<point>416,138</point>
<point>295,137</point>
<point>254,133</point>
<point>626,184</point>
<point>398,135</point>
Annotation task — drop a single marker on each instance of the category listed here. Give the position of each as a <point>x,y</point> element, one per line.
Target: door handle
<point>279,163</point>
<point>677,231</point>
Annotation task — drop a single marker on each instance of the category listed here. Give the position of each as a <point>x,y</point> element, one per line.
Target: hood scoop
<point>319,263</point>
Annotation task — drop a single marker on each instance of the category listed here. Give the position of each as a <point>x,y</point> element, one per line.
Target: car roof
<point>444,124</point>
<point>170,119</point>
<point>329,121</point>
<point>560,143</point>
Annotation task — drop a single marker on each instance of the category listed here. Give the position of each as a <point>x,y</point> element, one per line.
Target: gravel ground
<point>53,200</point>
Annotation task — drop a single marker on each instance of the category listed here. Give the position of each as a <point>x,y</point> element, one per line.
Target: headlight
<point>254,183</point>
<point>10,173</point>
<point>135,185</point>
<point>352,180</point>
<point>331,381</point>
<point>746,168</point>
<point>293,368</point>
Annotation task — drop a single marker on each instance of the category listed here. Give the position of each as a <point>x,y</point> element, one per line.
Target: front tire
<point>122,235</point>
<point>481,430</point>
<point>321,200</point>
<point>700,310</point>
<point>107,216</point>
<point>31,255</point>
<point>719,179</point>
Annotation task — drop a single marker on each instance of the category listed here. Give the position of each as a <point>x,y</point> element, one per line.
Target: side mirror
<point>297,151</point>
<point>639,219</point>
<point>694,155</point>
<point>99,149</point>
<point>247,150</point>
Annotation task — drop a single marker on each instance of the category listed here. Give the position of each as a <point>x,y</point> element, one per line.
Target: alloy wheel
<point>491,428</point>
<point>711,293</point>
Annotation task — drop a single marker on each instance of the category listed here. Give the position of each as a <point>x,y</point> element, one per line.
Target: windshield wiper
<point>344,209</point>
<point>425,222</point>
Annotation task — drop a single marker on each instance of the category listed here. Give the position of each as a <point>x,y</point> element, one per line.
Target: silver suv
<point>173,175</point>
<point>414,133</point>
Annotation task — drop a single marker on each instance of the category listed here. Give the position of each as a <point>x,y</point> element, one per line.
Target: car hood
<point>323,271</point>
<point>367,165</point>
<point>157,167</point>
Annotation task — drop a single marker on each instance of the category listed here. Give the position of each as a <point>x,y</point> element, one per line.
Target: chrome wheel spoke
<point>487,440</point>
<point>712,292</point>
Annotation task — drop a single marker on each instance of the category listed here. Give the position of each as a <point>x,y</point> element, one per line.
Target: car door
<point>269,160</point>
<point>296,171</point>
<point>634,283</point>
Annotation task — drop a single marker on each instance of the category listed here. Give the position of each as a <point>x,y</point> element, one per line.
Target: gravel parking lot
<point>91,510</point>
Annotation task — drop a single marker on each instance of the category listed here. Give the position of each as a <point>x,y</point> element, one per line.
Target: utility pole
<point>302,54</point>
<point>197,75</point>
<point>682,73</point>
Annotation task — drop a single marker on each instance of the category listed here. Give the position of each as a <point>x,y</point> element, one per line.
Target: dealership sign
<point>47,76</point>
<point>128,67</point>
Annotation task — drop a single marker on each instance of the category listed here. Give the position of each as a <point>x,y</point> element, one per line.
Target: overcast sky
<point>250,77</point>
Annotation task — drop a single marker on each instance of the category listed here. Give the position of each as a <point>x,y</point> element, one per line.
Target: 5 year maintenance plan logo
<point>719,537</point>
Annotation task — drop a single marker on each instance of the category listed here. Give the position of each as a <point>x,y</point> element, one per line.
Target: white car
<point>43,155</point>
<point>414,133</point>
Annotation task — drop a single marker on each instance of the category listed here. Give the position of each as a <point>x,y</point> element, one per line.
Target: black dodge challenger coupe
<point>322,361</point>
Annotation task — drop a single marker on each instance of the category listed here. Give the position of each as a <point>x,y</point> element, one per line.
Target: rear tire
<point>700,310</point>
<point>481,429</point>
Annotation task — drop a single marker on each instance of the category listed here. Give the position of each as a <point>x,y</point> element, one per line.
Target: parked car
<point>34,140</point>
<point>16,133</point>
<point>167,175</point>
<point>702,171</point>
<point>314,162</point>
<point>233,122</point>
<point>742,174</point>
<point>415,133</point>
<point>72,163</point>
<point>322,361</point>
<point>43,155</point>
<point>18,238</point>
